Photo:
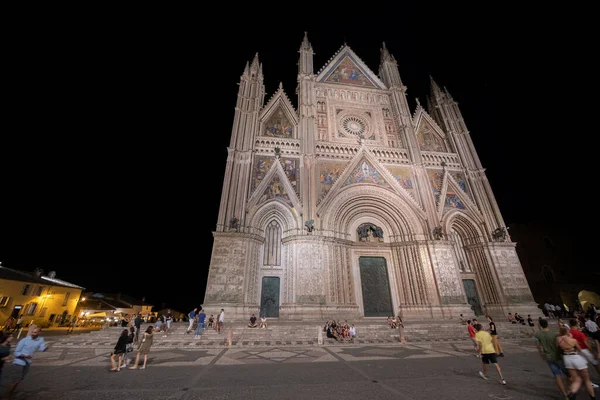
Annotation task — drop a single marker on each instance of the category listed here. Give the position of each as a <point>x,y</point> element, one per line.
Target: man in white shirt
<point>591,326</point>
<point>220,321</point>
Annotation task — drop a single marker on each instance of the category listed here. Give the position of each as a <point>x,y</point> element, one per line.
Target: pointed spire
<point>385,54</point>
<point>435,89</point>
<point>280,85</point>
<point>247,69</point>
<point>305,43</point>
<point>447,93</point>
<point>255,63</point>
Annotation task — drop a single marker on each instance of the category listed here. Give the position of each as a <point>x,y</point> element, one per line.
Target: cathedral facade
<point>353,206</point>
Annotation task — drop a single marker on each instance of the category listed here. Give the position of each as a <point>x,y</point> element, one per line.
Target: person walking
<point>200,327</point>
<point>548,348</point>
<point>487,352</point>
<point>494,335</point>
<point>5,339</point>
<point>137,323</point>
<point>119,351</point>
<point>23,355</point>
<point>192,318</point>
<point>575,363</point>
<point>472,332</point>
<point>144,348</point>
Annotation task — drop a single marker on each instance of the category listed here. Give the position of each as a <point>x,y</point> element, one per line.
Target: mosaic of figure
<point>276,190</point>
<point>460,179</point>
<point>365,173</point>
<point>329,173</point>
<point>428,140</point>
<point>404,178</point>
<point>289,166</point>
<point>452,200</point>
<point>348,73</point>
<point>279,125</point>
<point>261,167</point>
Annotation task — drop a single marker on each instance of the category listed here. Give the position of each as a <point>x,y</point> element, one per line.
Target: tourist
<point>494,335</point>
<point>221,321</point>
<point>263,322</point>
<point>144,348</point>
<point>575,363</point>
<point>201,319</point>
<point>119,350</point>
<point>548,348</point>
<point>5,339</point>
<point>192,318</point>
<point>23,355</point>
<point>252,323</point>
<point>472,332</point>
<point>487,352</point>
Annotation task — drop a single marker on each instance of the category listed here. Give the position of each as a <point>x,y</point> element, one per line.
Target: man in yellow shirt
<point>485,347</point>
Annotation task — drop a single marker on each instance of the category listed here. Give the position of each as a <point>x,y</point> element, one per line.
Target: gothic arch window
<point>272,244</point>
<point>459,251</point>
<point>548,274</point>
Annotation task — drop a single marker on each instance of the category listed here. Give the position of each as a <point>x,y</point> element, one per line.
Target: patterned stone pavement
<point>160,357</point>
<point>374,371</point>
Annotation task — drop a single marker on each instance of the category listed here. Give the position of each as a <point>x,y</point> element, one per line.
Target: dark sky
<point>113,167</point>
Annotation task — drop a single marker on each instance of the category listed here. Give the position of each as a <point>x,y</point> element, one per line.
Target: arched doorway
<point>587,297</point>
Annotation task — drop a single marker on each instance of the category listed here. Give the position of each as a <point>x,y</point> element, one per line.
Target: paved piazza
<point>401,371</point>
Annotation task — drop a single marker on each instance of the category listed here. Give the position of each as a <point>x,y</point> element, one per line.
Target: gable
<point>428,138</point>
<point>279,183</point>
<point>348,73</point>
<point>364,172</point>
<point>278,125</point>
<point>346,68</point>
<point>275,190</point>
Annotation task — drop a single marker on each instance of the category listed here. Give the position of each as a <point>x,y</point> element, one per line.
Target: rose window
<point>354,125</point>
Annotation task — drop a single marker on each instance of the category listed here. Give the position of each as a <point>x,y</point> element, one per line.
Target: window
<point>43,312</point>
<point>39,291</point>
<point>25,290</point>
<point>272,244</point>
<point>66,298</point>
<point>30,309</point>
<point>4,301</point>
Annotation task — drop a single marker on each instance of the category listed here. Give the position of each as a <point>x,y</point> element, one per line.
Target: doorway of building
<point>377,299</point>
<point>269,299</point>
<point>472,297</point>
<point>16,311</point>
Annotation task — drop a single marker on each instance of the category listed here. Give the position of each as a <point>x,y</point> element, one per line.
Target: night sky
<point>119,137</point>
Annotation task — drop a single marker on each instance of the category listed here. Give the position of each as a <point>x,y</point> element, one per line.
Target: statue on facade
<point>368,232</point>
<point>438,233</point>
<point>234,223</point>
<point>310,225</point>
<point>499,234</point>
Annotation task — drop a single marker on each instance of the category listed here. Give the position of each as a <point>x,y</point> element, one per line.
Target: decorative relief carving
<point>354,96</point>
<point>448,280</point>
<point>513,281</point>
<point>226,275</point>
<point>310,263</point>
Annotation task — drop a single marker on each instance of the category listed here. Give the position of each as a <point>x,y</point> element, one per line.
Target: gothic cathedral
<point>351,206</point>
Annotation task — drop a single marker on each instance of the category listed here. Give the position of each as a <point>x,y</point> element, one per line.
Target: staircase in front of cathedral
<point>286,333</point>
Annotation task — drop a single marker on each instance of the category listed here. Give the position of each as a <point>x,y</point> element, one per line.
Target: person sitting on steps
<point>252,323</point>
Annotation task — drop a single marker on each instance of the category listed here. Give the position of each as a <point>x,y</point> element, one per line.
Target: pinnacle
<point>435,89</point>
<point>385,54</point>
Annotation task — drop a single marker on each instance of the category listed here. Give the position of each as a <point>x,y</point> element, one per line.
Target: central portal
<point>269,300</point>
<point>377,300</point>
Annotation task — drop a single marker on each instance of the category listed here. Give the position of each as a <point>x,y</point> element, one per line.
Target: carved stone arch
<point>465,225</point>
<point>354,200</point>
<point>274,210</point>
